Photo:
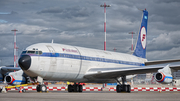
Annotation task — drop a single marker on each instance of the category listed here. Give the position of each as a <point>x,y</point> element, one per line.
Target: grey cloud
<point>28,2</point>
<point>161,55</point>
<point>51,10</point>
<point>50,31</point>
<point>77,11</point>
<point>166,12</point>
<point>74,11</point>
<point>164,42</point>
<point>167,1</point>
<point>13,12</point>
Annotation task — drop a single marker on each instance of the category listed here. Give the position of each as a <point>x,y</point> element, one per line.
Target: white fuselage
<point>71,63</point>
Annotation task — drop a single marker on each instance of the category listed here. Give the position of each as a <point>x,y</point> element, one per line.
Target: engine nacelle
<point>163,77</point>
<point>15,78</point>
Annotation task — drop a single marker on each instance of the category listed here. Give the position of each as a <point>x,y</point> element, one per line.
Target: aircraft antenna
<point>52,41</point>
<point>114,49</point>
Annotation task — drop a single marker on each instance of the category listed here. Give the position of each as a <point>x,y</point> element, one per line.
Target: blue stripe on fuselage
<point>72,56</point>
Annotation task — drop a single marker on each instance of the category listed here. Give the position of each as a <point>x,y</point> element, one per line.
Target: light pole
<point>105,22</point>
<point>132,40</point>
<point>16,55</point>
<point>14,47</point>
<point>0,62</point>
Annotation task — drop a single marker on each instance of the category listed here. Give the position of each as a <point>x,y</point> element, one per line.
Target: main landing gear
<point>123,87</point>
<point>75,88</point>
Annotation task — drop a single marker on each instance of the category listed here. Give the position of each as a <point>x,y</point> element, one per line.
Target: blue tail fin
<point>140,48</point>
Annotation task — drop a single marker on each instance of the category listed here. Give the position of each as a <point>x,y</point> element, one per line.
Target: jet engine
<point>163,77</point>
<point>15,78</point>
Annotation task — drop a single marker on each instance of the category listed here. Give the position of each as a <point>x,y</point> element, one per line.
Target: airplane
<point>12,76</point>
<point>6,72</point>
<point>52,61</point>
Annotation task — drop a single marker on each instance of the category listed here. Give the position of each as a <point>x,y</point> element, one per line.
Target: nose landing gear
<point>41,88</point>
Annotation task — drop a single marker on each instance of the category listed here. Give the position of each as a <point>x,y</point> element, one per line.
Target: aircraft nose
<point>25,62</point>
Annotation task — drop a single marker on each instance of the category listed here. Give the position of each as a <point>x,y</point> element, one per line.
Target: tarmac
<point>105,95</point>
<point>90,96</point>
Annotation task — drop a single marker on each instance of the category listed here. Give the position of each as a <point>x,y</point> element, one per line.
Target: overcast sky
<point>80,23</point>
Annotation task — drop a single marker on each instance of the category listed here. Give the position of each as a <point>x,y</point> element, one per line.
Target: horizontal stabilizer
<point>160,62</point>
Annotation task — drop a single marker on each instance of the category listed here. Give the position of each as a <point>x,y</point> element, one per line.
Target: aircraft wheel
<point>70,88</point>
<point>118,88</point>
<point>38,88</point>
<point>125,89</point>
<point>24,90</point>
<point>129,88</point>
<point>76,88</point>
<point>80,88</point>
<point>43,88</point>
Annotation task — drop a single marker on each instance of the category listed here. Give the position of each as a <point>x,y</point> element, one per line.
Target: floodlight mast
<point>15,57</point>
<point>105,22</point>
<point>132,40</point>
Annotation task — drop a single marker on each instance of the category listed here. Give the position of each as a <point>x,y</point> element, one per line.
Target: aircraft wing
<point>4,70</point>
<point>111,73</point>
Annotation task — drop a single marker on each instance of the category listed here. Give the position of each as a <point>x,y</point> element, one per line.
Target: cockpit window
<point>40,52</point>
<point>37,52</point>
<point>23,52</point>
<point>32,52</point>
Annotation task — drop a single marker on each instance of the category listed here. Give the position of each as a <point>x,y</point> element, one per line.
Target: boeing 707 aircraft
<point>51,61</point>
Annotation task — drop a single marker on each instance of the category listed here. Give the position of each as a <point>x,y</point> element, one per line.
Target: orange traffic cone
<point>20,89</point>
<point>160,90</point>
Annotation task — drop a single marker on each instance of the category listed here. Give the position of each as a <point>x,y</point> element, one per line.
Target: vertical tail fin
<point>140,48</point>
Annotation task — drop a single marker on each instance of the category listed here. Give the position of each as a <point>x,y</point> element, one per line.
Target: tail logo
<point>143,37</point>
